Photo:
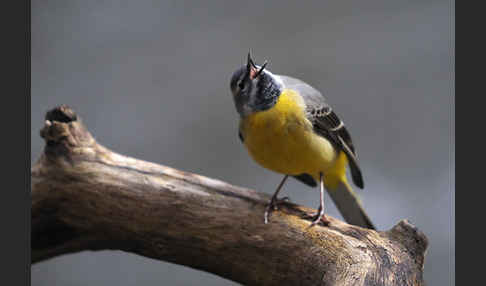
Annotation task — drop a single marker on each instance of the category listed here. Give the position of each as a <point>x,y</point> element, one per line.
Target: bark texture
<point>86,197</point>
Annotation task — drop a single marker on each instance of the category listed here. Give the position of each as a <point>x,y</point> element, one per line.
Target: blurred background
<point>150,79</point>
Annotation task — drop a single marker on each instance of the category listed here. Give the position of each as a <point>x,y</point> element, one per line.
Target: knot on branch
<point>414,240</point>
<point>63,132</point>
<point>62,113</point>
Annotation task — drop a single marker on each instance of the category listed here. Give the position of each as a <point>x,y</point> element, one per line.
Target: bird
<point>288,127</point>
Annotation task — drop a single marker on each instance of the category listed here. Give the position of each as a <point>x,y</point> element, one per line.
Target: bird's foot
<point>273,205</point>
<point>319,217</point>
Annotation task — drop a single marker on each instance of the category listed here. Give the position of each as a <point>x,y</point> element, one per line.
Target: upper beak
<point>249,62</point>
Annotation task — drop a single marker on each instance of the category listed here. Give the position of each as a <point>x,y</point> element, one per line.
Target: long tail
<point>349,205</point>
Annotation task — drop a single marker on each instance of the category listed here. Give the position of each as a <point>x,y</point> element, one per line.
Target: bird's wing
<point>326,123</point>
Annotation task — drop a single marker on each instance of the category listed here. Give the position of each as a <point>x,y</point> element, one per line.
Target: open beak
<point>252,69</point>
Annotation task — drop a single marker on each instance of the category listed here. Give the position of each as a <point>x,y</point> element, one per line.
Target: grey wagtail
<point>287,127</point>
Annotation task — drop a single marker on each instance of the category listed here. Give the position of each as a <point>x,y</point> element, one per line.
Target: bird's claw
<point>318,217</point>
<point>273,205</point>
<point>279,201</point>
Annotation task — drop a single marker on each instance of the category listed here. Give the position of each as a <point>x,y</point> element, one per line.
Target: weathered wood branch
<point>86,197</point>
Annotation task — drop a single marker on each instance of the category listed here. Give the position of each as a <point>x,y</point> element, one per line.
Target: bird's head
<point>254,88</point>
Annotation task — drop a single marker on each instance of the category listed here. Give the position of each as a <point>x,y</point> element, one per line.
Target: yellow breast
<point>282,139</point>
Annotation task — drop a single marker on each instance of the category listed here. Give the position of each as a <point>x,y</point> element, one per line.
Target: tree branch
<point>86,197</point>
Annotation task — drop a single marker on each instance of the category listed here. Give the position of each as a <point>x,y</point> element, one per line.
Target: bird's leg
<point>272,205</point>
<point>320,213</point>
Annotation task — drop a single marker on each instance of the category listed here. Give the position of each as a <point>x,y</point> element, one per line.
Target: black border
<point>16,201</point>
<point>470,207</point>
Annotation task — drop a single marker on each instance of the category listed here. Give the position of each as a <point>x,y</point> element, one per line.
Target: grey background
<point>151,80</point>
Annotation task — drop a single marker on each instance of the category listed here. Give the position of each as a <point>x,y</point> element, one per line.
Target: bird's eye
<point>241,85</point>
